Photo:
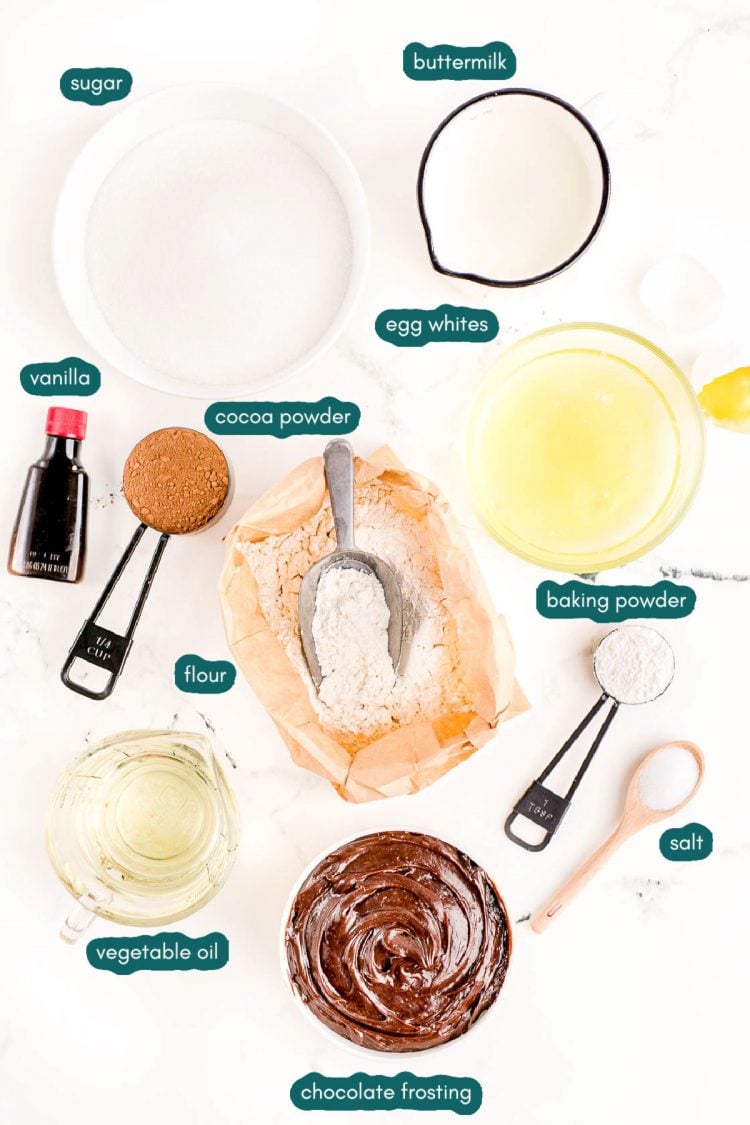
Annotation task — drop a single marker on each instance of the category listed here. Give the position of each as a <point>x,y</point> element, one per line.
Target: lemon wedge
<point>726,400</point>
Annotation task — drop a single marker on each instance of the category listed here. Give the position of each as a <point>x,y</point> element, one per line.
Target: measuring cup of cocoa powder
<point>176,481</point>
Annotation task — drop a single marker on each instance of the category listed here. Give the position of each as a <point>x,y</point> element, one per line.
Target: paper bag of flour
<point>456,680</point>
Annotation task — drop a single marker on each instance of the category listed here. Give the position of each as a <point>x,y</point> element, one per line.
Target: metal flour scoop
<point>339,467</point>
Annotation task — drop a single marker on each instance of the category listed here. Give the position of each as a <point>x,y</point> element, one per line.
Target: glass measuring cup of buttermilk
<point>142,829</point>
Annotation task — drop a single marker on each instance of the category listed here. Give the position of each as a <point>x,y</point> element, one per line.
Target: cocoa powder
<point>176,480</point>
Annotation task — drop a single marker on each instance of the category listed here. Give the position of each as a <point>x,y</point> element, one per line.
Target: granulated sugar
<point>429,681</point>
<point>219,252</point>
<point>634,664</point>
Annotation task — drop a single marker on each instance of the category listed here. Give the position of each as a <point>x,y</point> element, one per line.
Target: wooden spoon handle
<point>578,881</point>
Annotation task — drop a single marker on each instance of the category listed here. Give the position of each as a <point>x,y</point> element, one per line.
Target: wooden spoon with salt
<point>651,797</point>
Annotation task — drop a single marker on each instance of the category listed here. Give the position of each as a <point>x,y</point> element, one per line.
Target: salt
<point>219,252</point>
<point>668,778</point>
<point>634,664</point>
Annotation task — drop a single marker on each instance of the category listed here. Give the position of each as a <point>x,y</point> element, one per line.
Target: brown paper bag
<point>406,758</point>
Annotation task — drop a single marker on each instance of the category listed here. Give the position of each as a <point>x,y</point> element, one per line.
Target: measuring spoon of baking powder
<point>339,468</point>
<point>663,783</point>
<point>639,647</point>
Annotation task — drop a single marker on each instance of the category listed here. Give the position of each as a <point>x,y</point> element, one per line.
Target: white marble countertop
<point>632,1006</point>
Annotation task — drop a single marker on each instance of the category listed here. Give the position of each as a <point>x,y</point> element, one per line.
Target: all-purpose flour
<point>429,681</point>
<point>218,251</point>
<point>350,630</point>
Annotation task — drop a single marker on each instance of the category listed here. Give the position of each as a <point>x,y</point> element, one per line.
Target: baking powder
<point>634,664</point>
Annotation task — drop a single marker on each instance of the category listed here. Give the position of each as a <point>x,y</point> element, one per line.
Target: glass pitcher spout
<point>216,773</point>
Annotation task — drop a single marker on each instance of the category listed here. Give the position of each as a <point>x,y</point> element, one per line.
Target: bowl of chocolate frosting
<point>396,941</point>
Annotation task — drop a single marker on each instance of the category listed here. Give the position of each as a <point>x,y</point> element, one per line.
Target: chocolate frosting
<point>397,941</point>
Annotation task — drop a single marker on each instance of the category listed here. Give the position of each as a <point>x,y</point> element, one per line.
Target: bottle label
<point>47,562</point>
<point>71,376</point>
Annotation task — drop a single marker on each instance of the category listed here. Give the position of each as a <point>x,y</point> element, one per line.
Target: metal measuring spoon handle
<point>339,466</point>
<point>103,647</point>
<point>541,805</point>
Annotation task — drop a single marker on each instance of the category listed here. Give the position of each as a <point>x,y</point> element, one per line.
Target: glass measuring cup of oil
<point>142,829</point>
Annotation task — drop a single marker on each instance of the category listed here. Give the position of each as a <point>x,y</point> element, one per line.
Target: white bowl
<point>332,1038</point>
<point>177,106</point>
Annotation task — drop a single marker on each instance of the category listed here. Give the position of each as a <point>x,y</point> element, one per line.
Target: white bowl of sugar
<point>210,241</point>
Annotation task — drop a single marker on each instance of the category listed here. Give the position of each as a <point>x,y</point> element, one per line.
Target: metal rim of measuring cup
<point>639,702</point>
<point>227,499</point>
<point>604,201</point>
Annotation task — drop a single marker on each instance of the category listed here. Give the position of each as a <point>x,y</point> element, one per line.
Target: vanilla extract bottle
<point>49,536</point>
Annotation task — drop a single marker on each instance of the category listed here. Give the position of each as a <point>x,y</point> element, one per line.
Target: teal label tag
<point>493,62</point>
<point>96,85</point>
<point>688,844</point>
<point>451,324</point>
<point>71,376</point>
<point>378,1091</point>
<point>613,603</point>
<point>283,419</point>
<point>158,953</point>
<point>203,677</point>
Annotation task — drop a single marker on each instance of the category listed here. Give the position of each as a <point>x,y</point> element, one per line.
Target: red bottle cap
<point>62,422</point>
